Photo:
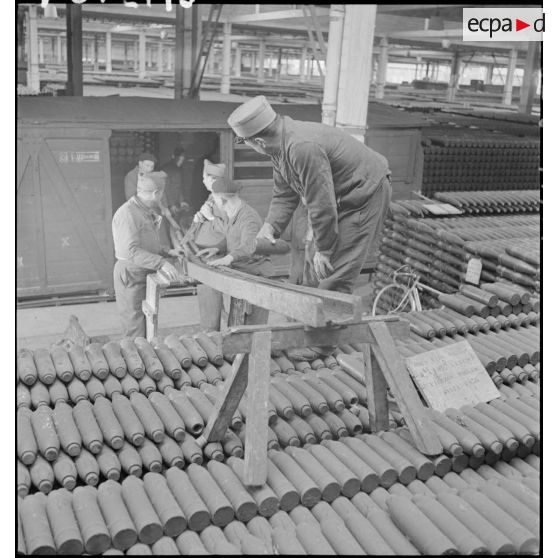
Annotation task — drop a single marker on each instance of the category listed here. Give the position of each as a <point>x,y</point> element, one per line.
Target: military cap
<point>146,156</point>
<point>214,169</point>
<point>151,181</point>
<point>251,117</point>
<point>225,186</point>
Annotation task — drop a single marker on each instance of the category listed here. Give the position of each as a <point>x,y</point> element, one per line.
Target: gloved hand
<point>267,232</point>
<point>322,265</point>
<point>170,271</point>
<point>225,261</point>
<point>207,252</point>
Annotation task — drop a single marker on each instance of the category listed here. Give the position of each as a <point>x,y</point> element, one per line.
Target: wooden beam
<point>336,305</point>
<point>376,392</point>
<point>402,388</point>
<point>304,308</point>
<point>233,389</point>
<point>295,335</point>
<point>255,456</point>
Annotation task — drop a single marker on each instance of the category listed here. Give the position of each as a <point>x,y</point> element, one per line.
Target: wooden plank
<point>250,164</point>
<point>255,460</point>
<point>337,306</point>
<point>376,391</point>
<point>235,386</point>
<point>295,335</point>
<point>304,308</point>
<point>402,389</point>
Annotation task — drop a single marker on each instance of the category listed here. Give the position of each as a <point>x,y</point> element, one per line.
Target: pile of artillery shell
<point>439,250</point>
<point>463,164</point>
<point>492,203</point>
<point>107,460</point>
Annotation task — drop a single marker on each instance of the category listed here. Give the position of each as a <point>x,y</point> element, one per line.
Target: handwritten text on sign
<point>451,377</point>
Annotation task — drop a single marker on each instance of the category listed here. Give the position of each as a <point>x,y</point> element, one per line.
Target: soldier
<point>138,250</point>
<point>345,186</point>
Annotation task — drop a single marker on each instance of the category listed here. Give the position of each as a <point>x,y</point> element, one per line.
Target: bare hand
<point>322,266</point>
<point>207,252</point>
<point>267,232</point>
<point>170,271</point>
<point>224,261</point>
<point>176,252</point>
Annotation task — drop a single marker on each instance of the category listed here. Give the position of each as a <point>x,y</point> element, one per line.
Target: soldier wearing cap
<point>241,224</point>
<point>344,185</point>
<point>138,250</point>
<point>146,163</point>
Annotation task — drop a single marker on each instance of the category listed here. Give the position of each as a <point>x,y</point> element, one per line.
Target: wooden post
<point>454,77</point>
<point>74,50</point>
<point>169,58</point>
<point>530,78</point>
<point>376,391</point>
<point>142,54</point>
<point>210,302</point>
<point>255,460</point>
<point>108,52</point>
<point>508,87</point>
<point>41,50</point>
<point>401,386</point>
<point>226,73</point>
<point>33,75</point>
<point>261,62</point>
<point>355,68</point>
<point>382,69</point>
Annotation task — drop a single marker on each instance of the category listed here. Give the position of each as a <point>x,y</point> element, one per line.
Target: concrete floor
<point>40,327</point>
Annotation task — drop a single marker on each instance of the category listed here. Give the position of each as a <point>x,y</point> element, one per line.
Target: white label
<point>474,269</point>
<point>451,377</point>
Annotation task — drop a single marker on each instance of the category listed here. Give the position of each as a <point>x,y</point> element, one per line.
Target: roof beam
<point>271,16</point>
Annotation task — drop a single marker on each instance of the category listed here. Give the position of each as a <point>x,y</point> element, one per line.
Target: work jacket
<point>326,168</point>
<point>135,230</point>
<point>240,233</point>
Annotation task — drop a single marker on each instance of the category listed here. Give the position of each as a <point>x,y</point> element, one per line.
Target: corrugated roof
<point>140,113</point>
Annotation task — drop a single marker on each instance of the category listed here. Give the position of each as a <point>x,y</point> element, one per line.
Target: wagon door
<point>63,212</point>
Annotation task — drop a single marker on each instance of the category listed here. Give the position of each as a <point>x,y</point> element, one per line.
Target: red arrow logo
<point>519,24</point>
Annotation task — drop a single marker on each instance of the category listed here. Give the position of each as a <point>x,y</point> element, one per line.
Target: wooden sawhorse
<point>383,367</point>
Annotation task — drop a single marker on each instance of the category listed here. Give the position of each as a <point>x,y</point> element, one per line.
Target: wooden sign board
<point>451,377</point>
<point>474,270</point>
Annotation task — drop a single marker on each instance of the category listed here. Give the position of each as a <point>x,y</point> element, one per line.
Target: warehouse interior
<point>400,416</point>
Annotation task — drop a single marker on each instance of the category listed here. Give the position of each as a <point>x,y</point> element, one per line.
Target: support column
<point>489,73</point>
<point>211,61</point>
<point>41,50</point>
<point>382,68</point>
<point>142,53</point>
<point>169,58</point>
<point>530,78</point>
<point>355,68</point>
<point>237,61</point>
<point>508,87</point>
<point>279,64</point>
<point>261,62</point>
<point>108,52</point>
<point>309,67</point>
<point>33,76</point>
<point>59,49</point>
<point>454,77</point>
<point>226,74</point>
<point>333,63</point>
<point>160,56</point>
<point>303,57</point>
<point>74,52</point>
<point>188,24</point>
<point>95,52</point>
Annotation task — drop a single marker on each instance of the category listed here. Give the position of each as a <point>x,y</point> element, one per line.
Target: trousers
<point>357,233</point>
<point>129,288</point>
